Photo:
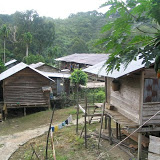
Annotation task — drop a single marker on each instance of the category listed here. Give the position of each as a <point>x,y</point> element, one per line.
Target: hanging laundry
<point>63,123</point>
<point>66,121</point>
<point>70,119</point>
<point>52,128</point>
<point>60,126</point>
<point>56,128</point>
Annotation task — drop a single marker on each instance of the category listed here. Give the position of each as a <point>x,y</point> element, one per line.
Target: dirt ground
<point>68,145</point>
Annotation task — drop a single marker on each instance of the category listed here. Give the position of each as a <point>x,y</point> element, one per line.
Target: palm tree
<point>4,32</point>
<point>27,39</point>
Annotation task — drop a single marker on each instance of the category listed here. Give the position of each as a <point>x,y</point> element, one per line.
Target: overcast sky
<point>51,8</point>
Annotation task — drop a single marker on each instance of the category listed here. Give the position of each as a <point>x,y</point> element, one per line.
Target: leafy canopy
<point>34,59</point>
<point>79,77</point>
<point>132,30</point>
<point>2,67</point>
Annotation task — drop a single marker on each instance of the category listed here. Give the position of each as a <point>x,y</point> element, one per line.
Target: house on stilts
<point>132,99</point>
<point>22,86</point>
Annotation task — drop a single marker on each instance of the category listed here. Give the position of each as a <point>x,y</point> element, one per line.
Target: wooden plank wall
<point>151,99</point>
<point>127,99</point>
<point>54,87</point>
<point>25,88</point>
<point>1,91</point>
<point>149,109</point>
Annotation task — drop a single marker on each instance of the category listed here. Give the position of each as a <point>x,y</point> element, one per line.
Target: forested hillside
<point>28,37</point>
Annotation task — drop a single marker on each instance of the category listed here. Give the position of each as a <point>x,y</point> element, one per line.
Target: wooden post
<point>100,131</point>
<point>85,122</point>
<point>106,88</point>
<point>140,115</point>
<point>105,121</point>
<point>77,110</point>
<point>77,119</point>
<point>117,129</point>
<point>120,136</point>
<point>24,111</point>
<point>110,130</point>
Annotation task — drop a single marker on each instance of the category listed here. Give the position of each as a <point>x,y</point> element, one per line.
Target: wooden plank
<point>140,141</point>
<point>92,115</point>
<point>82,109</point>
<point>119,118</point>
<point>149,129</point>
<point>99,105</point>
<point>152,156</point>
<point>144,142</point>
<point>149,73</point>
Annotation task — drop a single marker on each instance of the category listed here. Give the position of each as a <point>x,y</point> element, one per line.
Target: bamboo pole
<point>100,131</point>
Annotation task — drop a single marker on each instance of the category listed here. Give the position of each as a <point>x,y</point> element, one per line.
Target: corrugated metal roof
<point>36,65</point>
<point>84,58</point>
<point>100,69</point>
<point>56,75</point>
<point>9,72</point>
<point>10,62</point>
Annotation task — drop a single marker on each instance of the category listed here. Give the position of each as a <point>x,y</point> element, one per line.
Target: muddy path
<point>10,143</point>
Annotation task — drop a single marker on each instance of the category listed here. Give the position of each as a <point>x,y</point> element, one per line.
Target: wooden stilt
<point>77,111</point>
<point>85,121</point>
<point>100,131</point>
<point>110,130</point>
<point>139,146</point>
<point>24,111</point>
<point>77,119</point>
<point>120,135</point>
<point>117,129</point>
<point>105,121</point>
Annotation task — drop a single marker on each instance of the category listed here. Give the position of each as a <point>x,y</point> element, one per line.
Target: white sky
<point>51,8</point>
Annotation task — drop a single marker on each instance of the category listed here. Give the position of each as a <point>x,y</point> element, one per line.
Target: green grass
<point>68,145</point>
<point>35,120</point>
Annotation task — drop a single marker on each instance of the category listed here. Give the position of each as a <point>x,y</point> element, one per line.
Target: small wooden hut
<point>133,94</point>
<point>24,86</point>
<point>62,81</point>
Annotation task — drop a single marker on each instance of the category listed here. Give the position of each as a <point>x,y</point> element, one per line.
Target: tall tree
<point>4,32</point>
<point>43,33</point>
<point>27,39</point>
<point>132,30</point>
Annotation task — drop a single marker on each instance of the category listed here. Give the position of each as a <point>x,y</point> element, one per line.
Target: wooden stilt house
<point>132,97</point>
<point>24,86</point>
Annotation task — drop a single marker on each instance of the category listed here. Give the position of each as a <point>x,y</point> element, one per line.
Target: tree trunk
<point>4,56</point>
<point>26,50</point>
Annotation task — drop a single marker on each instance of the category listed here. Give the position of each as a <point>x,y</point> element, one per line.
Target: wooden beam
<point>77,119</point>
<point>81,108</point>
<point>105,121</point>
<point>100,131</point>
<point>140,115</point>
<point>117,129</point>
<point>149,129</point>
<point>110,130</point>
<point>92,115</point>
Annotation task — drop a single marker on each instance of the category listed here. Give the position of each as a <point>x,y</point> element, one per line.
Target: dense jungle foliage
<point>28,37</point>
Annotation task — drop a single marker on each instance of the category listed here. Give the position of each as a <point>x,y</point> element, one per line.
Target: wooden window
<point>151,90</point>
